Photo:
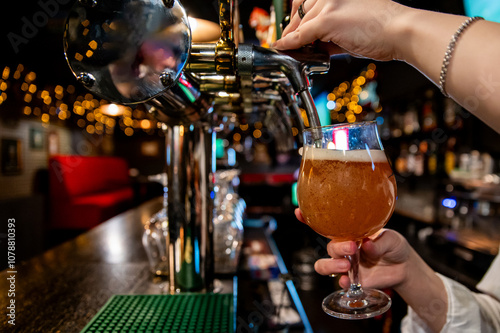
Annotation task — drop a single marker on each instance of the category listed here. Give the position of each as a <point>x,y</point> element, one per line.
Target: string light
<point>6,73</point>
<point>58,103</point>
<point>343,100</point>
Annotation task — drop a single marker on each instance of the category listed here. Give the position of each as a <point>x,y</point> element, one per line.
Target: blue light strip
<point>299,306</point>
<point>235,301</point>
<point>291,287</point>
<point>196,256</point>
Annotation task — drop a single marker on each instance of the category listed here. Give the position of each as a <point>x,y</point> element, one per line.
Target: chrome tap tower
<point>140,51</point>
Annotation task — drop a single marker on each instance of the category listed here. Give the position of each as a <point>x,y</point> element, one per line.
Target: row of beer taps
<point>141,51</point>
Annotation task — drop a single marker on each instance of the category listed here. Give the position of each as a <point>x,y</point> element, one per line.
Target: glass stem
<point>355,290</point>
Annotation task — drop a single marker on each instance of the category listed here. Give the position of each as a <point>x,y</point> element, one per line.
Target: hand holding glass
<point>347,191</point>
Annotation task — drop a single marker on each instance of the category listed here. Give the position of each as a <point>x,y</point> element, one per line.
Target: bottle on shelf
<point>432,161</point>
<point>451,114</point>
<point>420,159</point>
<point>396,124</point>
<point>401,164</point>
<point>488,163</point>
<point>410,121</point>
<point>429,119</point>
<point>476,165</point>
<point>412,159</point>
<point>450,158</point>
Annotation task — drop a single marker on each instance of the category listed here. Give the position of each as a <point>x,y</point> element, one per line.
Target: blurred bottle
<point>450,157</point>
<point>401,164</point>
<point>396,124</point>
<point>410,121</point>
<point>464,162</point>
<point>451,114</point>
<point>476,165</point>
<point>412,160</point>
<point>429,120</point>
<point>488,163</point>
<point>420,159</point>
<point>432,161</point>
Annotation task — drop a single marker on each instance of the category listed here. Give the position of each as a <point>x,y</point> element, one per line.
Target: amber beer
<point>346,195</point>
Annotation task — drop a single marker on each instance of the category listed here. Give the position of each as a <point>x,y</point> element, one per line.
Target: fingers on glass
<point>342,249</point>
<point>332,266</point>
<point>344,282</point>
<point>298,215</point>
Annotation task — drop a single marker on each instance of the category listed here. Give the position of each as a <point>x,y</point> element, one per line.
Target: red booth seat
<point>87,190</point>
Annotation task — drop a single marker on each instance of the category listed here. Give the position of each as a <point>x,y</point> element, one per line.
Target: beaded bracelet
<point>450,49</point>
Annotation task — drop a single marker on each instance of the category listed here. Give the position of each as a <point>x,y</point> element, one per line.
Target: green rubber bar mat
<point>183,313</point>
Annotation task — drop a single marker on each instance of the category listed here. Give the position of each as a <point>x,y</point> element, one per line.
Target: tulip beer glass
<point>347,191</point>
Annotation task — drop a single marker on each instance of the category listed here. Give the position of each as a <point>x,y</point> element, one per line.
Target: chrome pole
<point>190,168</point>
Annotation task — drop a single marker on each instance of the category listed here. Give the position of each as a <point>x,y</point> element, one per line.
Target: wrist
<point>411,271</point>
<point>424,292</point>
<point>401,31</point>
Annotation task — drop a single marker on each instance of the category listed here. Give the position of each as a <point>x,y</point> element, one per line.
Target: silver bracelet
<point>450,49</point>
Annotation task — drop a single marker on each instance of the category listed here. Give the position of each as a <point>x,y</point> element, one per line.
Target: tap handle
<point>314,58</point>
<point>285,22</point>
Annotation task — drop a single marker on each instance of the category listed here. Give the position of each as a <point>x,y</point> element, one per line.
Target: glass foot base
<point>372,303</point>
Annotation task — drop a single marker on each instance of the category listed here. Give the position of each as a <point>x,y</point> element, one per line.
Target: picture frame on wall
<point>11,162</point>
<point>36,139</point>
<point>53,143</point>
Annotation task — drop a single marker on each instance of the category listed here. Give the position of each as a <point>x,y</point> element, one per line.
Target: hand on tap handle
<point>346,24</point>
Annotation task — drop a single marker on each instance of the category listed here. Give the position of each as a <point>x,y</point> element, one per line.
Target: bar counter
<point>62,289</point>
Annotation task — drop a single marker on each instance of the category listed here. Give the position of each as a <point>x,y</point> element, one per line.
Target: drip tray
<point>182,313</point>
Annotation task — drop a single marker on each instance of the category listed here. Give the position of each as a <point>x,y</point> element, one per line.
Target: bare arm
<point>384,30</point>
<point>473,78</point>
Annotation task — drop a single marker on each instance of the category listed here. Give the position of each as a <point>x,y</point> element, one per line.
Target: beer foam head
<point>360,155</point>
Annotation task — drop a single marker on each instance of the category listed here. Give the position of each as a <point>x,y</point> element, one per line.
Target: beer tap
<point>296,65</point>
<point>141,51</point>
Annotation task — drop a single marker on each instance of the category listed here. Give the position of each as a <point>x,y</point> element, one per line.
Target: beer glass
<point>347,191</point>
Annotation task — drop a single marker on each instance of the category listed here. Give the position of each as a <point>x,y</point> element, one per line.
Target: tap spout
<point>296,65</point>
